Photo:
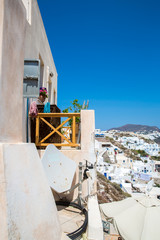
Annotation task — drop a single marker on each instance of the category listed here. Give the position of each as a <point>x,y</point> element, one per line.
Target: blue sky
<point>107,52</point>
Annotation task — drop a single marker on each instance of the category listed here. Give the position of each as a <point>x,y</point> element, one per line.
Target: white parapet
<point>27,206</point>
<point>95,228</point>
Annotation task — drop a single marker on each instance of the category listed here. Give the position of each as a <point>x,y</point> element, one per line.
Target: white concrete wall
<point>12,29</point>
<point>37,47</point>
<point>27,4</point>
<point>27,206</point>
<point>95,228</point>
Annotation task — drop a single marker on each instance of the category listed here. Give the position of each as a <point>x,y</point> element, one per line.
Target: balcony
<point>61,130</point>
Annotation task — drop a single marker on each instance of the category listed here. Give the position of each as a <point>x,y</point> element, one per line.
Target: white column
<point>88,144</point>
<point>87,133</point>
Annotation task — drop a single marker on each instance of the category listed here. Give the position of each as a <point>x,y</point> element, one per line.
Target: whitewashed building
<point>27,206</point>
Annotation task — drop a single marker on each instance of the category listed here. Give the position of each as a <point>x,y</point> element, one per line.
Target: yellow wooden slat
<point>54,130</point>
<point>69,115</point>
<point>44,120</point>
<point>60,126</point>
<point>74,130</point>
<point>58,144</point>
<point>58,114</point>
<point>66,129</point>
<point>37,130</point>
<point>65,133</point>
<point>50,134</point>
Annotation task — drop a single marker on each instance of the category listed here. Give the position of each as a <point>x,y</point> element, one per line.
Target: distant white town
<point>129,159</point>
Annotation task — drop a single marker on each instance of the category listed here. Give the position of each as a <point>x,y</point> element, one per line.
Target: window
<point>41,71</point>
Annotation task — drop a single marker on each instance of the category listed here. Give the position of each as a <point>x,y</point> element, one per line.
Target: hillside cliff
<point>137,128</point>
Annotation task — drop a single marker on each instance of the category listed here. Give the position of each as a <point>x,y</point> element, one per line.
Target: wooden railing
<point>66,131</point>
<point>67,140</point>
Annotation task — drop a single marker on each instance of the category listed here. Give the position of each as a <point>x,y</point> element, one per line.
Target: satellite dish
<point>59,169</point>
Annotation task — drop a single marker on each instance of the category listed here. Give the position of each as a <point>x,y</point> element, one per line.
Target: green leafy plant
<point>156,158</point>
<point>75,108</point>
<point>157,185</point>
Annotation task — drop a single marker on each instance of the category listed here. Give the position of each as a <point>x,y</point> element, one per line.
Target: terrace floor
<point>70,219</point>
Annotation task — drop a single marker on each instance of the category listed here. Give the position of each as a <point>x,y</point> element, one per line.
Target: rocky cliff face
<point>108,191</point>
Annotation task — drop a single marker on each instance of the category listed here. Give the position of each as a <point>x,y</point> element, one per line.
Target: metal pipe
<point>80,179</point>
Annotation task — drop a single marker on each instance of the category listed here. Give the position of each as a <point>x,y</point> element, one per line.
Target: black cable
<point>81,229</point>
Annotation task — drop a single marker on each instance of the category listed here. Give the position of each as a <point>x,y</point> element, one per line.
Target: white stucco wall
<point>27,206</point>
<point>37,47</point>
<point>27,4</point>
<point>12,29</point>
